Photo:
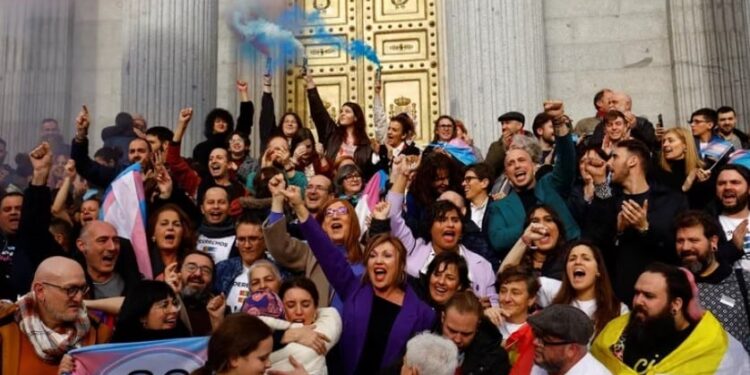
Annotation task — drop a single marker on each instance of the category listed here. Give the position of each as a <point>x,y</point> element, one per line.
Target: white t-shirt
<point>589,307</point>
<point>508,328</point>
<point>547,291</point>
<point>219,248</point>
<point>729,224</point>
<point>588,365</point>
<point>239,291</point>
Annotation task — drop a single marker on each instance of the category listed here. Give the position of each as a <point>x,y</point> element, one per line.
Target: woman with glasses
<point>338,221</point>
<point>349,183</point>
<point>151,311</point>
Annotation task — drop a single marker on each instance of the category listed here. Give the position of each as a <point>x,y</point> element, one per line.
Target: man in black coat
<point>635,226</point>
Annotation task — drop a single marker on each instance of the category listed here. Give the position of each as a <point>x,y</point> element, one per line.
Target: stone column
<point>711,54</point>
<point>494,61</point>
<point>169,61</point>
<point>35,61</point>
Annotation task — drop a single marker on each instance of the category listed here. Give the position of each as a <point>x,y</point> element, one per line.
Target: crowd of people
<point>608,245</point>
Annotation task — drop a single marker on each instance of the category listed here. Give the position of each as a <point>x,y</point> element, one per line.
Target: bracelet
<point>602,191</point>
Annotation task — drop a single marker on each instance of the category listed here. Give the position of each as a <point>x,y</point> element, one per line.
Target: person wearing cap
<point>667,332</point>
<point>561,337</point>
<point>512,123</point>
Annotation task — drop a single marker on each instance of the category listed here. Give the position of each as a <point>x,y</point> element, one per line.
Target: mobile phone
<point>660,122</point>
<point>304,66</point>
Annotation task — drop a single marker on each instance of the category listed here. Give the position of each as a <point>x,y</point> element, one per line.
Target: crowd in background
<point>604,245</point>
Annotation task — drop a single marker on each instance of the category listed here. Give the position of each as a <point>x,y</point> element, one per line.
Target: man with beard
<point>51,320</point>
<point>545,135</point>
<point>561,337</point>
<point>732,194</point>
<point>640,214</point>
<point>196,277</point>
<point>667,333</point>
<point>10,217</point>
<point>139,151</point>
<point>721,289</point>
<point>727,128</point>
<point>506,216</point>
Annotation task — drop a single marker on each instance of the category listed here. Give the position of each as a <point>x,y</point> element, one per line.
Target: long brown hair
<point>400,249</point>
<point>187,242</point>
<point>351,241</point>
<point>607,304</point>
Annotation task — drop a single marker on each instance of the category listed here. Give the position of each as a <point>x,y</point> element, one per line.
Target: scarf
<point>49,346</point>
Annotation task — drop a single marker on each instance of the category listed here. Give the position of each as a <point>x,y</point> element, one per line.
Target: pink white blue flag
<point>124,207</point>
<point>174,356</point>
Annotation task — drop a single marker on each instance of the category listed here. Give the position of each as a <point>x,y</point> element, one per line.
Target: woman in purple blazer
<point>381,294</point>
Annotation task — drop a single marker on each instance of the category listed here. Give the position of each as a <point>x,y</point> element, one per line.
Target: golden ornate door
<point>404,34</point>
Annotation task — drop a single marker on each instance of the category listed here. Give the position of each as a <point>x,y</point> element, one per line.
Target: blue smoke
<point>275,38</point>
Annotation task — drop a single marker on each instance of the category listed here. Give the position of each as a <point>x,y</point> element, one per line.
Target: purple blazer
<point>481,275</point>
<point>415,316</point>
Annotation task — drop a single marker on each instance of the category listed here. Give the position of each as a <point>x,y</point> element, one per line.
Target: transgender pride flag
<point>124,207</point>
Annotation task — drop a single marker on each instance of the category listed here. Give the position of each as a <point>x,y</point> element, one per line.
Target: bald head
<point>56,269</point>
<point>455,198</point>
<point>621,102</point>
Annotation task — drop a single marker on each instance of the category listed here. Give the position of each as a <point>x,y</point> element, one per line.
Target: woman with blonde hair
<point>680,167</point>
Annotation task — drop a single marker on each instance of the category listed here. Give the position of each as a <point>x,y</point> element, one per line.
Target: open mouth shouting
<point>379,274</point>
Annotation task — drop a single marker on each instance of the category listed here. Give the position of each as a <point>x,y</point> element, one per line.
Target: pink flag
<point>124,207</point>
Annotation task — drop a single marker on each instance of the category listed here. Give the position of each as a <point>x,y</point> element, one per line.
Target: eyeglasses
<point>468,179</point>
<point>71,291</point>
<point>352,176</point>
<point>164,304</point>
<point>192,267</point>
<point>445,126</point>
<point>333,212</point>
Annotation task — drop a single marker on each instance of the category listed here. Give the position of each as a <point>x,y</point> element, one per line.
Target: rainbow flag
<point>124,206</point>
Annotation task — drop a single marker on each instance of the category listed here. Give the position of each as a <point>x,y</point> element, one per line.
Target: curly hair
<point>208,125</point>
<point>422,186</point>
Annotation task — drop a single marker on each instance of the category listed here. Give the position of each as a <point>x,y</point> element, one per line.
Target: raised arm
<point>564,170</point>
<point>331,259</point>
<point>58,205</point>
<point>324,124</point>
<point>402,168</point>
<point>286,250</point>
<point>92,171</point>
<point>378,113</point>
<point>184,176</point>
<point>247,110</point>
<point>267,115</point>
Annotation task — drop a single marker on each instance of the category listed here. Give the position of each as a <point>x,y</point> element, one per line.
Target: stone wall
<point>620,44</point>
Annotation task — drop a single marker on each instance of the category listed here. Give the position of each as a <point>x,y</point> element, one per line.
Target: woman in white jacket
<point>310,331</point>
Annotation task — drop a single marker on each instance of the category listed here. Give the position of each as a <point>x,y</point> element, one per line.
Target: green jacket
<point>506,216</point>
